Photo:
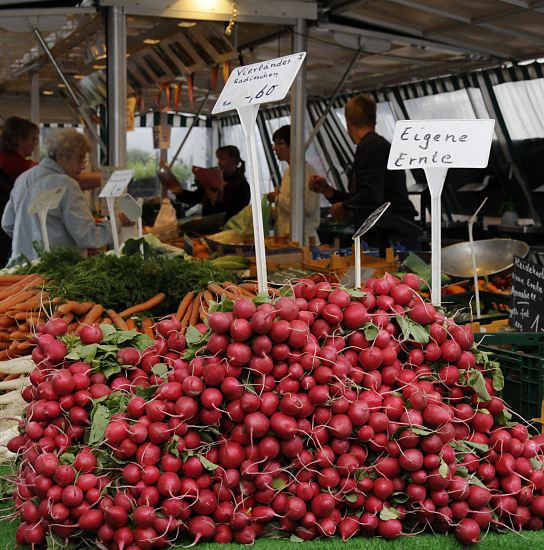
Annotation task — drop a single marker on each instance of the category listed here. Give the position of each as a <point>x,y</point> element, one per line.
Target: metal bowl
<point>492,256</point>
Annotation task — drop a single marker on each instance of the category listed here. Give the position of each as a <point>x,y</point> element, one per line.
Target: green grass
<point>528,540</point>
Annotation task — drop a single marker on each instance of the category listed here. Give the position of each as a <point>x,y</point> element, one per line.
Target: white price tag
<point>130,207</point>
<point>441,144</point>
<point>261,82</point>
<point>117,183</point>
<point>46,200</point>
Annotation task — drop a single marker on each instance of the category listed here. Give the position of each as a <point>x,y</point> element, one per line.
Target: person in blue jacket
<point>71,223</point>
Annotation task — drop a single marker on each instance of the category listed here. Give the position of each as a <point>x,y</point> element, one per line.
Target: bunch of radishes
<point>329,412</point>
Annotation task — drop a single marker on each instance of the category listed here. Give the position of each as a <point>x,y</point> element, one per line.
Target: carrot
<point>131,325</point>
<point>4,345</point>
<point>81,308</point>
<point>32,303</point>
<point>68,317</point>
<point>147,325</point>
<point>24,327</point>
<point>208,297</point>
<point>105,321</point>
<point>17,298</point>
<point>183,305</point>
<point>187,315</point>
<point>23,346</point>
<point>4,354</point>
<point>118,321</point>
<point>5,336</point>
<point>231,287</point>
<point>19,335</point>
<point>219,291</point>
<point>67,307</point>
<point>10,291</point>
<point>10,279</point>
<point>196,309</point>
<point>5,321</point>
<point>149,304</point>
<point>93,314</point>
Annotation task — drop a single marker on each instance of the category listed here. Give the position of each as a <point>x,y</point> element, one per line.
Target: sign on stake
<point>367,225</point>
<point>435,146</point>
<point>113,189</point>
<point>247,87</point>
<point>42,203</point>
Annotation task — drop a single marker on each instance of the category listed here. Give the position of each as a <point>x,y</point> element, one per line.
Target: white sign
<point>46,200</point>
<point>441,144</point>
<point>259,83</point>
<point>130,207</point>
<point>117,183</point>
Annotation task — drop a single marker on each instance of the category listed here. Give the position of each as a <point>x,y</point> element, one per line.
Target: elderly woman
<point>71,222</point>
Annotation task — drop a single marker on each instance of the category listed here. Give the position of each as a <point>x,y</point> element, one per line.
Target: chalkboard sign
<point>527,311</point>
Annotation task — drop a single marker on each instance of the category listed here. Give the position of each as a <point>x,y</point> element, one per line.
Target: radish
<point>468,531</point>
<point>201,527</point>
<point>422,313</point>
<point>90,334</point>
<point>55,327</point>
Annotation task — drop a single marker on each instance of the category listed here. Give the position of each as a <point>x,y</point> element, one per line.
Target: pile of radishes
<point>332,412</point>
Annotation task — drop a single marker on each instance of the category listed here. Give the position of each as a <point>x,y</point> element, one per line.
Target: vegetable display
<point>120,282</point>
<point>323,411</point>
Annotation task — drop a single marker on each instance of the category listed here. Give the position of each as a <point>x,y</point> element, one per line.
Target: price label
<point>262,82</point>
<point>130,207</point>
<point>441,144</point>
<point>46,200</point>
<point>117,183</point>
<point>371,221</point>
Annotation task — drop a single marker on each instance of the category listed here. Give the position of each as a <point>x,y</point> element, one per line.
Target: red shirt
<point>14,164</point>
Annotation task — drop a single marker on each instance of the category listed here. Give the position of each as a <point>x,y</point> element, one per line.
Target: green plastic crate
<point>521,356</point>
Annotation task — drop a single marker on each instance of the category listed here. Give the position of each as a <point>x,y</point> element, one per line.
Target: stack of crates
<point>521,356</point>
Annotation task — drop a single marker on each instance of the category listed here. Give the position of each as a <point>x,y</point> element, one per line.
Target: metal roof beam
<point>248,11</point>
<point>35,12</point>
<point>467,21</point>
<point>419,33</point>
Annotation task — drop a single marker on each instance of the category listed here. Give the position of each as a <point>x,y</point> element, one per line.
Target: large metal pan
<point>492,256</point>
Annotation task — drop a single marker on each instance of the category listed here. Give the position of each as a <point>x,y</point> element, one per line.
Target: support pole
<point>116,41</point>
<point>35,108</point>
<point>298,113</point>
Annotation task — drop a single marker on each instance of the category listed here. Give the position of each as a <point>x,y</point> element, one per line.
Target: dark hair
<point>284,134</point>
<point>14,131</point>
<point>234,153</point>
<point>361,111</point>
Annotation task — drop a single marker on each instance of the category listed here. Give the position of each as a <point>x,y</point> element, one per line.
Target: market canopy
<point>184,42</point>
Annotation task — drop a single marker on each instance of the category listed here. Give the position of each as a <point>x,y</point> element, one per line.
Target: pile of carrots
<point>24,303</point>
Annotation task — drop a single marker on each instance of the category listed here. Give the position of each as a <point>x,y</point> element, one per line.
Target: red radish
<point>90,334</point>
<point>468,531</point>
<point>422,313</point>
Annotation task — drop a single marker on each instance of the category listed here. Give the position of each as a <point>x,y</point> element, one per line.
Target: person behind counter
<point>72,222</point>
<point>282,196</point>
<point>371,183</point>
<point>224,190</point>
<point>18,138</point>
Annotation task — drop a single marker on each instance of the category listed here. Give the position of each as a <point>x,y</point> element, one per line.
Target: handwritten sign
<point>46,200</point>
<point>527,308</point>
<point>117,183</point>
<point>441,144</point>
<point>262,82</point>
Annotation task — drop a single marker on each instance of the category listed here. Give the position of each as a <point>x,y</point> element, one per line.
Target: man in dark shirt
<point>370,182</point>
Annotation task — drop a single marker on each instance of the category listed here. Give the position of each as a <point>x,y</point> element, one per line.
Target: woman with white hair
<point>71,223</point>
